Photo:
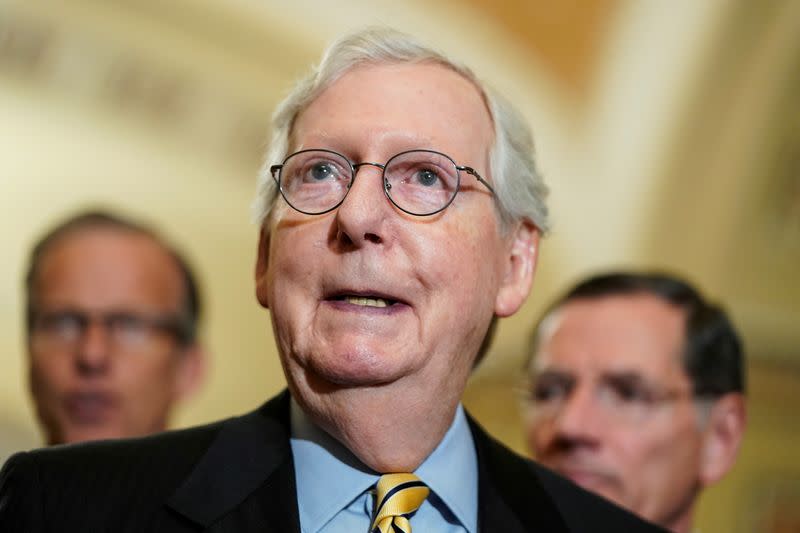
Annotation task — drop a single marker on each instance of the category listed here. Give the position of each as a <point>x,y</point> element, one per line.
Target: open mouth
<point>367,302</point>
<point>379,301</point>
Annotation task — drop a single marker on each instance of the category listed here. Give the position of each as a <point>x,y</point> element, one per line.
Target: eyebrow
<point>625,377</point>
<point>553,374</point>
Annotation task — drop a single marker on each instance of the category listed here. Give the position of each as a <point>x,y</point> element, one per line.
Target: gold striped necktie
<point>398,495</point>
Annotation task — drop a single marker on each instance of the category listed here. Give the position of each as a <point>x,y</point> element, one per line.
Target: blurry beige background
<point>668,130</point>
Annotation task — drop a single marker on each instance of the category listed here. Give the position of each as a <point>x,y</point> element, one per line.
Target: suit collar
<point>249,468</point>
<point>511,497</point>
<point>249,464</point>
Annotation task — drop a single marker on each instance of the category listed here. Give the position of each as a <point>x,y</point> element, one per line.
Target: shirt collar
<point>451,471</point>
<point>320,497</point>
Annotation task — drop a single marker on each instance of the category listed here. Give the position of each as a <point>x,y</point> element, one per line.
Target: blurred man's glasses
<point>125,330</point>
<point>418,182</point>
<point>617,399</point>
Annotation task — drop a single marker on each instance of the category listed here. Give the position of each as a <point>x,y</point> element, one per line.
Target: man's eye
<point>547,392</point>
<point>128,325</point>
<point>631,394</point>
<point>427,177</point>
<point>322,171</point>
<point>63,323</point>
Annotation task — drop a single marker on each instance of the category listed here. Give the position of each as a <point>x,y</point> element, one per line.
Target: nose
<point>94,349</point>
<point>361,217</point>
<point>578,421</point>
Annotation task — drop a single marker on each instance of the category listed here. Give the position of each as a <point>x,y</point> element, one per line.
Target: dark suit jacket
<point>237,475</point>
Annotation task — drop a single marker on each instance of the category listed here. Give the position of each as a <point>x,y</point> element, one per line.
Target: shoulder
<point>129,484</point>
<point>583,510</point>
<point>536,494</point>
<point>117,478</point>
<point>92,461</point>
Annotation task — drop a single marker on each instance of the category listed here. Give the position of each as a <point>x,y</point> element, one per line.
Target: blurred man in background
<point>637,393</point>
<point>112,315</point>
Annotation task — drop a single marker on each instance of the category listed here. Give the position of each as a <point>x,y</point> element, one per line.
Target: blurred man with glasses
<point>637,393</point>
<point>112,316</point>
<point>400,213</point>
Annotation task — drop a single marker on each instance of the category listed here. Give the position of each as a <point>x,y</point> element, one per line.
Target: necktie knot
<point>397,496</point>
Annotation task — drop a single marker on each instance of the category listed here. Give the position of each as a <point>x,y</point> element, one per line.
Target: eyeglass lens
<point>420,182</point>
<point>125,329</point>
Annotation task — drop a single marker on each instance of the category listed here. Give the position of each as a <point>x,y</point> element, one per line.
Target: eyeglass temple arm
<point>470,170</point>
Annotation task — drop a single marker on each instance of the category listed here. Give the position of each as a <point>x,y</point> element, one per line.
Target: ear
<point>262,264</point>
<point>722,437</point>
<point>520,264</point>
<point>191,372</point>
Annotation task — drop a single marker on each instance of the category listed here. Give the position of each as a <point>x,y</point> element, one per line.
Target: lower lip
<point>344,305</point>
<point>89,409</point>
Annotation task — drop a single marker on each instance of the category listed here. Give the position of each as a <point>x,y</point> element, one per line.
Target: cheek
<point>147,380</point>
<point>640,449</point>
<point>464,257</point>
<point>290,274</point>
<point>655,461</point>
<point>293,257</point>
<point>535,434</point>
<point>49,374</point>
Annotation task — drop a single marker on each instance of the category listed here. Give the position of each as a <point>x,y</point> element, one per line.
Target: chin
<point>83,435</point>
<point>348,368</point>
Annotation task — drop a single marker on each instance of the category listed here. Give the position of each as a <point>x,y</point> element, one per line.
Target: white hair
<point>519,188</point>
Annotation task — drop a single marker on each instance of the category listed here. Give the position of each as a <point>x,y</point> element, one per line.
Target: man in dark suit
<point>400,213</point>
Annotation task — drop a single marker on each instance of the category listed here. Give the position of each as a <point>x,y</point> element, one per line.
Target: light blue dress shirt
<point>334,488</point>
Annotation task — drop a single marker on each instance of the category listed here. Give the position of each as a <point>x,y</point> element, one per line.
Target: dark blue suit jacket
<point>237,475</point>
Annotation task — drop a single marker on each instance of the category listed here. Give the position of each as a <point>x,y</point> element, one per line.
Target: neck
<point>681,523</point>
<point>388,428</point>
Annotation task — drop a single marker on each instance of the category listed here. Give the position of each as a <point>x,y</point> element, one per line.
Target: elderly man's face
<point>118,376</point>
<point>612,406</point>
<point>367,295</point>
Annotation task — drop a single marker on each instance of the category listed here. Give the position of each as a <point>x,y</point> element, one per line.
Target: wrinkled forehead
<point>639,335</point>
<point>429,104</point>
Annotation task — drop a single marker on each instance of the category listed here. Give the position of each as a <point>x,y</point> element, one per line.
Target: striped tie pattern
<point>397,496</point>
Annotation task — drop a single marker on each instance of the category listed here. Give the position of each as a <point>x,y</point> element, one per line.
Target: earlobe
<point>262,264</point>
<point>519,269</point>
<point>723,437</point>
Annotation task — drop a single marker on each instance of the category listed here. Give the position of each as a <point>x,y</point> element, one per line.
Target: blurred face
<point>104,360</point>
<point>366,295</point>
<point>612,407</point>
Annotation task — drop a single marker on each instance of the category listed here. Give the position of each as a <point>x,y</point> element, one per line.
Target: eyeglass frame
<point>172,325</point>
<point>657,396</point>
<point>276,169</point>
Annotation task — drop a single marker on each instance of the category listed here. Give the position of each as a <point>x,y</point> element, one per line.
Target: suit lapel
<point>510,497</point>
<point>245,481</point>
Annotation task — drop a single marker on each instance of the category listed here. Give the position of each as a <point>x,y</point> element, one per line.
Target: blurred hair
<point>101,219</point>
<point>519,188</point>
<point>712,355</point>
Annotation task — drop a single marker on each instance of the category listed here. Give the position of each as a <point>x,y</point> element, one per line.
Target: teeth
<point>369,302</point>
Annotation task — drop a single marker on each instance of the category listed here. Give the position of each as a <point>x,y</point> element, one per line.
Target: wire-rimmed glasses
<point>418,182</point>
